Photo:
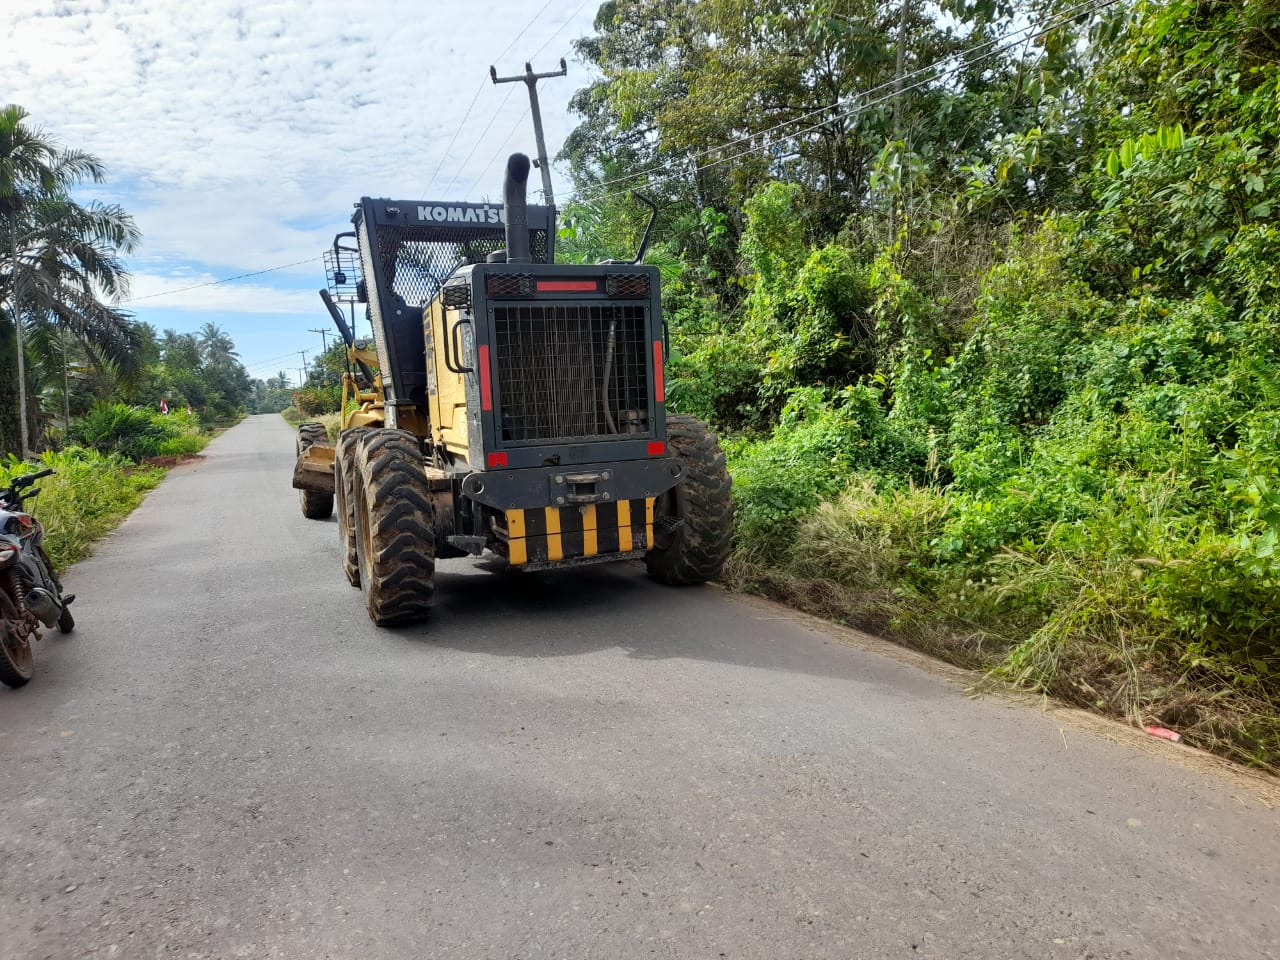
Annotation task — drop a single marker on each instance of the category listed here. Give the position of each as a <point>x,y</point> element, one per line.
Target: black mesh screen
<point>571,371</point>
<point>627,284</point>
<point>415,268</point>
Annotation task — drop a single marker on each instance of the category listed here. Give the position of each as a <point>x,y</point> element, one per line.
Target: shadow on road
<point>482,608</point>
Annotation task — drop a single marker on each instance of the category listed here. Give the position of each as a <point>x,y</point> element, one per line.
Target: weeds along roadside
<point>1137,608</point>
<point>85,500</point>
<point>104,473</point>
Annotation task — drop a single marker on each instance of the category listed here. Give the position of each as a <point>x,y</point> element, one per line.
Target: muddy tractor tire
<point>395,539</point>
<point>316,505</point>
<point>345,477</point>
<point>695,519</point>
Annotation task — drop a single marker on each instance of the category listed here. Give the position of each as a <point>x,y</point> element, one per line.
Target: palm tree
<point>59,261</point>
<point>216,348</point>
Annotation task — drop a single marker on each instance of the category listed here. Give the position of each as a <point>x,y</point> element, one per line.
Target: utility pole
<point>531,81</point>
<point>302,371</point>
<point>324,332</point>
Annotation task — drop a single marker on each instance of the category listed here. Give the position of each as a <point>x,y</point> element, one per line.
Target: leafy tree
<point>215,346</point>
<point>59,259</point>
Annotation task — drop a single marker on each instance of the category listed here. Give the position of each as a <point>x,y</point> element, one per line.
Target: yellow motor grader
<point>508,404</point>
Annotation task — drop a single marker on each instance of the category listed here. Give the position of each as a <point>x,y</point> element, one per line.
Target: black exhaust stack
<point>514,199</point>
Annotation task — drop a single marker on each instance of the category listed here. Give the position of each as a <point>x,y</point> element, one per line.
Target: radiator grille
<point>570,372</point>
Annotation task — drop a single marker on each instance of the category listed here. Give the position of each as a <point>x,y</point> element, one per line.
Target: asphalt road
<point>228,760</point>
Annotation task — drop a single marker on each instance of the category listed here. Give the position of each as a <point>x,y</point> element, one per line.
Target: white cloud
<point>239,134</point>
<point>190,293</point>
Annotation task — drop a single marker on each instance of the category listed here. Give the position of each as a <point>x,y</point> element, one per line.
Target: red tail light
<point>498,459</point>
<point>486,388</point>
<point>657,448</point>
<point>567,286</point>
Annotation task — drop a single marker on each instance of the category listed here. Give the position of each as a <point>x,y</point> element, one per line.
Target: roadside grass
<point>85,500</point>
<point>332,421</point>
<point>1088,626</point>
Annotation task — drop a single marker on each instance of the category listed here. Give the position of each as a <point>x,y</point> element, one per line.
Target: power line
<point>263,364</point>
<point>568,20</point>
<point>214,283</point>
<point>497,154</point>
<point>480,90</point>
<point>923,76</point>
<point>476,145</point>
<point>449,149</point>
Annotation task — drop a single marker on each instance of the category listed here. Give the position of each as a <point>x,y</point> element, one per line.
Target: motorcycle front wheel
<point>16,662</point>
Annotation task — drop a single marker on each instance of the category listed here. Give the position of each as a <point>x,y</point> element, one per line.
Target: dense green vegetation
<point>86,499</point>
<point>994,342</point>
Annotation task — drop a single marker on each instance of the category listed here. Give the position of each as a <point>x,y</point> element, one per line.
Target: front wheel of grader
<point>395,539</point>
<point>695,520</point>
<point>316,505</point>
<point>345,478</point>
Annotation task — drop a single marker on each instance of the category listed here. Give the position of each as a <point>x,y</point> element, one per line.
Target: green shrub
<point>1021,359</point>
<point>137,433</point>
<point>313,401</point>
<point>870,539</point>
<point>118,428</point>
<point>90,494</point>
<point>180,446</point>
<point>821,441</point>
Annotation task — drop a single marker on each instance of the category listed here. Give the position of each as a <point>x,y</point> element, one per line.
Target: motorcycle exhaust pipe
<point>44,605</point>
<point>515,201</point>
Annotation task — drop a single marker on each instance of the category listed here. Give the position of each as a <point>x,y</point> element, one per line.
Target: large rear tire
<point>16,661</point>
<point>316,505</point>
<point>702,503</point>
<point>313,431</point>
<point>395,541</point>
<point>345,478</point>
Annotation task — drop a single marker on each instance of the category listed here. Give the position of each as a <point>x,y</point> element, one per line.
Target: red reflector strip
<point>657,448</point>
<point>486,389</point>
<point>568,286</point>
<point>659,390</point>
<point>496,459</point>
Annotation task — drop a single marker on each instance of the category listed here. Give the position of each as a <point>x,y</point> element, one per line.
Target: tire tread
<point>397,572</point>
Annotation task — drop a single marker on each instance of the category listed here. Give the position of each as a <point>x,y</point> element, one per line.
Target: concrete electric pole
<point>531,81</point>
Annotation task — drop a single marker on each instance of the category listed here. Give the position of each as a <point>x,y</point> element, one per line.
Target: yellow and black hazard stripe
<point>544,534</point>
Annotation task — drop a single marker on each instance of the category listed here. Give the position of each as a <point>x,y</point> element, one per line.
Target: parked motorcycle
<point>30,591</point>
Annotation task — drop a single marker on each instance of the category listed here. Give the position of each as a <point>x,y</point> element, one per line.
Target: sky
<point>239,134</point>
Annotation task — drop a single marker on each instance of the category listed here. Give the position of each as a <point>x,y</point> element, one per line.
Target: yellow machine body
<point>446,390</point>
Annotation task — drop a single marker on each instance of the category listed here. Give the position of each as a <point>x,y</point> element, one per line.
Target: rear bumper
<point>563,536</point>
<point>585,484</point>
